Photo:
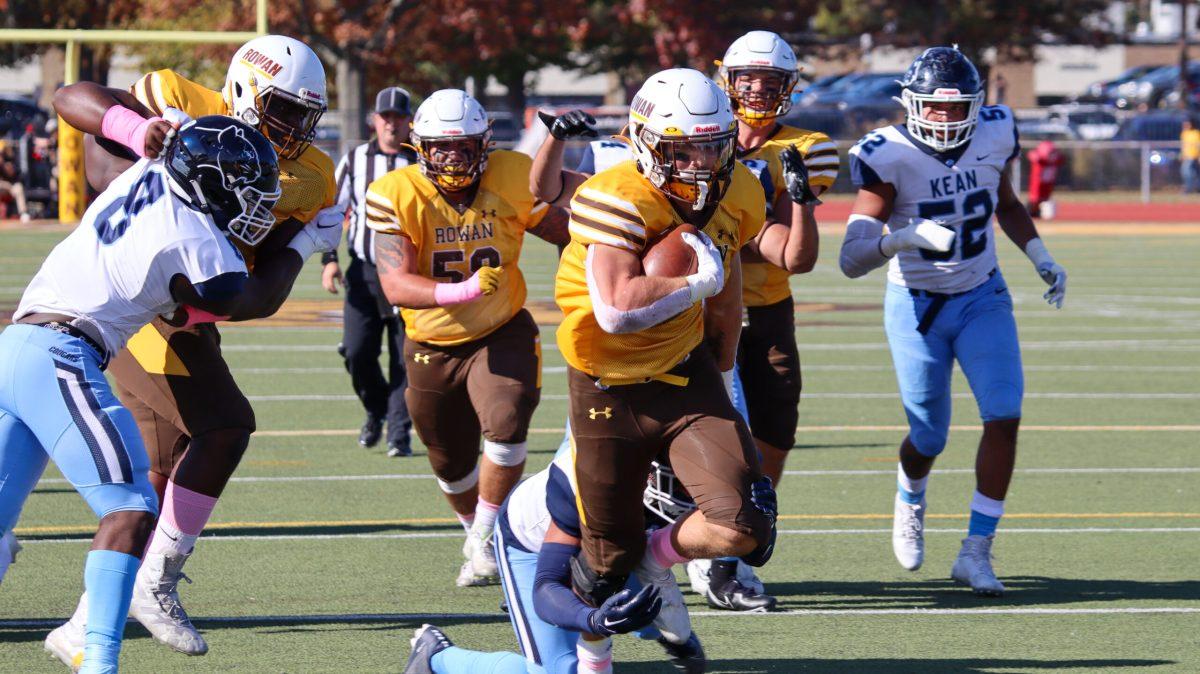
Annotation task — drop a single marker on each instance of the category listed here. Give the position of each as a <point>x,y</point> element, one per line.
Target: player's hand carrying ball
<point>710,275</point>
<point>574,124</point>
<point>488,279</point>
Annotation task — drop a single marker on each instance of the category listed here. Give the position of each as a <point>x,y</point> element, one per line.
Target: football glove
<point>574,124</point>
<point>625,612</point>
<point>488,279</point>
<point>795,177</point>
<point>926,234</point>
<point>1051,272</point>
<point>710,270</point>
<point>762,495</point>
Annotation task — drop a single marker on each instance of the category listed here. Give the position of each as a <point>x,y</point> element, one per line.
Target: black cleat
<point>399,448</point>
<point>371,431</point>
<point>427,642</point>
<point>687,657</point>
<point>733,596</point>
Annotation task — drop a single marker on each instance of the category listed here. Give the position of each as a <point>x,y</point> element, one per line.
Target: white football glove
<point>927,234</point>
<point>1051,272</point>
<point>323,233</point>
<point>177,118</point>
<point>710,270</point>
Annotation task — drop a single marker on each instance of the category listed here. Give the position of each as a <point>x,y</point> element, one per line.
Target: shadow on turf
<point>842,445</point>
<point>1021,591</point>
<point>286,530</point>
<point>895,666</point>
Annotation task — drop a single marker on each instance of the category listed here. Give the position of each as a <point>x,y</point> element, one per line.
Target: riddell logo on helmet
<point>706,128</point>
<point>947,92</point>
<point>452,132</point>
<point>258,60</point>
<point>759,62</point>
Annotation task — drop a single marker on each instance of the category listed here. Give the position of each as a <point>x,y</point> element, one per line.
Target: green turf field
<point>324,556</point>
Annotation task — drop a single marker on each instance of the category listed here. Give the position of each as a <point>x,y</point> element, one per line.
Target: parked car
<point>1152,89</point>
<point>1086,121</point>
<point>1102,92</point>
<point>1160,125</point>
<point>855,89</point>
<point>18,112</point>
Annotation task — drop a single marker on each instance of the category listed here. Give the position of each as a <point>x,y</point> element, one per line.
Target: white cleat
<point>974,566</point>
<point>9,547</point>
<point>908,533</point>
<point>480,568</point>
<point>672,620</point>
<point>698,571</point>
<point>66,642</point>
<point>156,604</point>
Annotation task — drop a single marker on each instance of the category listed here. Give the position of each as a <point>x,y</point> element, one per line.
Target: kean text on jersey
<point>475,232</point>
<point>954,183</point>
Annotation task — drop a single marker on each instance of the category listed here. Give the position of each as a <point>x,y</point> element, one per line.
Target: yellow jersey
<point>620,207</point>
<point>306,182</point>
<point>762,282</point>
<point>1189,149</point>
<point>451,246</point>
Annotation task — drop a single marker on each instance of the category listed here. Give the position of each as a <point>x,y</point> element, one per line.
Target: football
<point>669,255</point>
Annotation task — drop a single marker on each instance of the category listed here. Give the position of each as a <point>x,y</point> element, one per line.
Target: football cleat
<point>480,568</point>
<point>427,642</point>
<point>734,596</point>
<point>9,547</point>
<point>371,430</point>
<point>698,571</point>
<point>66,641</point>
<point>156,604</point>
<point>687,657</point>
<point>974,566</point>
<point>672,620</point>
<point>908,533</point>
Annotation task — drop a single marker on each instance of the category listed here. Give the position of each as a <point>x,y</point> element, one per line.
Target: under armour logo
<point>594,413</point>
<point>421,357</point>
<point>488,212</point>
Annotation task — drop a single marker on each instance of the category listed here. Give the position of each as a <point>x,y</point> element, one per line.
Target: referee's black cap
<point>392,99</point>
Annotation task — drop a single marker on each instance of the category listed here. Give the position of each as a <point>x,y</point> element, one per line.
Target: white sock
<point>914,488</point>
<point>595,656</point>
<point>485,518</point>
<point>167,539</point>
<point>466,521</point>
<point>79,617</point>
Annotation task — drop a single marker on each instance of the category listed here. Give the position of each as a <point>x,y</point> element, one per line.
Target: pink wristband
<point>199,316</point>
<point>446,294</point>
<point>127,128</point>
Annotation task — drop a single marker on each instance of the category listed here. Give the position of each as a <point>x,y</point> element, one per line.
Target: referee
<point>367,313</point>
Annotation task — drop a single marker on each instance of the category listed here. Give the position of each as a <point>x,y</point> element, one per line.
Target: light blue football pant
<point>977,329</point>
<point>56,404</point>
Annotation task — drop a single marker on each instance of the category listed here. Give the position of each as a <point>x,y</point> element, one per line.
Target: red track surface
<point>1075,212</point>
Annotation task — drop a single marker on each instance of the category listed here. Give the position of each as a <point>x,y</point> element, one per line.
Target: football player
<point>649,356</point>
<point>537,535</point>
<point>155,239</point>
<point>194,419</point>
<point>450,232</point>
<point>935,182</point>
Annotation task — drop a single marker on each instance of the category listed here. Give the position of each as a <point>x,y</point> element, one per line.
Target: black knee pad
<point>591,586</point>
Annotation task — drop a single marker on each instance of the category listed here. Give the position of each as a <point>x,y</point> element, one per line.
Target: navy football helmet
<point>941,75</point>
<point>229,170</point>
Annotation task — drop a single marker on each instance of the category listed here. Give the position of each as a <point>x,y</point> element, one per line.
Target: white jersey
<point>604,154</point>
<point>114,271</point>
<point>958,189</point>
<point>530,504</point>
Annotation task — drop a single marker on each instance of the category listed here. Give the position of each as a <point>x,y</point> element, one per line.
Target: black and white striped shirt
<point>358,169</point>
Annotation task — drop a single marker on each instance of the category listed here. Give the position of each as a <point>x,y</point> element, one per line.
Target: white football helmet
<point>277,85</point>
<point>759,50</point>
<point>664,494</point>
<point>684,136</point>
<point>443,121</point>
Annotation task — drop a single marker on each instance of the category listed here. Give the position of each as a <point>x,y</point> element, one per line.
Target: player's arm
<point>217,296</point>
<point>270,282</point>
<point>548,180</point>
<point>553,226</point>
<point>625,300</point>
<point>866,247</point>
<point>556,603</point>
<point>1018,226</point>
<point>790,239</point>
<point>396,258</point>
<point>723,319</point>
<point>115,114</point>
